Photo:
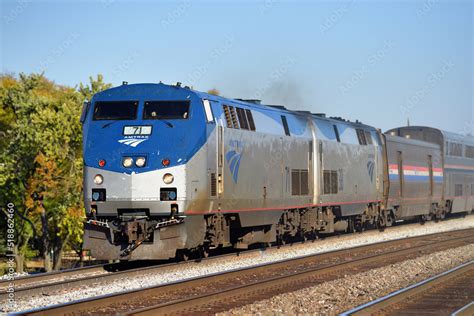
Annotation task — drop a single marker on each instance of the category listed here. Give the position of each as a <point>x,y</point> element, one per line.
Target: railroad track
<point>451,292</point>
<point>222,291</point>
<point>68,280</point>
<point>49,277</point>
<point>53,282</point>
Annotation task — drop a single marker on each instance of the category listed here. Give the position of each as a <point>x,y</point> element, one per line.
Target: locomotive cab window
<point>115,110</point>
<point>170,110</point>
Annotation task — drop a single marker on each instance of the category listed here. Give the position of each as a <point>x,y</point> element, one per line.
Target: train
<point>171,172</point>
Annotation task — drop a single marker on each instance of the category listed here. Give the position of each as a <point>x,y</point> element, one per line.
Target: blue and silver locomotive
<point>169,170</point>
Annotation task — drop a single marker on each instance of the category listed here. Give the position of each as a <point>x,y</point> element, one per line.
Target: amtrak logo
<point>233,158</point>
<point>132,142</point>
<point>370,169</point>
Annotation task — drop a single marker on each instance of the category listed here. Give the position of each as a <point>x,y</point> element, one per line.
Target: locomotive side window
<point>155,110</point>
<point>285,125</point>
<point>336,131</point>
<point>250,119</point>
<point>368,137</point>
<point>208,110</point>
<point>244,124</point>
<point>115,110</point>
<point>238,118</point>
<point>361,136</point>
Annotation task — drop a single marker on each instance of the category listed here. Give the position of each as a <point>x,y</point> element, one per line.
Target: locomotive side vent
<point>213,184</point>
<point>299,182</point>
<point>331,183</point>
<point>234,117</point>
<point>227,116</point>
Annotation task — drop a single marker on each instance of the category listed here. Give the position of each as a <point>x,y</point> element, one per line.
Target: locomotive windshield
<point>115,110</point>
<point>155,110</point>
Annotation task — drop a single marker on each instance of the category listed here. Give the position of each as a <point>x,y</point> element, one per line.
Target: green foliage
<point>41,156</point>
<point>87,91</point>
<point>214,91</point>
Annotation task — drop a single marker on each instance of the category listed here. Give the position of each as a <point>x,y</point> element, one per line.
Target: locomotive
<point>170,171</point>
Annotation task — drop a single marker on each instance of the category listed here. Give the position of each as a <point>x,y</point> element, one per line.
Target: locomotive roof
<point>203,95</point>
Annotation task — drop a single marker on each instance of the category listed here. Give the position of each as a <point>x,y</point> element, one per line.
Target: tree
<point>214,91</point>
<point>41,169</point>
<point>93,87</point>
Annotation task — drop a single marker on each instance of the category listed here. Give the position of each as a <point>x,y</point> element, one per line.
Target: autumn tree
<point>214,91</point>
<point>41,169</point>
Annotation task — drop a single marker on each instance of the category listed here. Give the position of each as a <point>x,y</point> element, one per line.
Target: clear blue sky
<point>376,61</point>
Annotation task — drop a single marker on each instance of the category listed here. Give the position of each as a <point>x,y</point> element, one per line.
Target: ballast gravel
<point>334,297</point>
<point>195,269</point>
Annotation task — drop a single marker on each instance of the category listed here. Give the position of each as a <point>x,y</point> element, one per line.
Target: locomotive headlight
<point>98,179</point>
<point>140,162</point>
<point>127,162</point>
<point>168,178</point>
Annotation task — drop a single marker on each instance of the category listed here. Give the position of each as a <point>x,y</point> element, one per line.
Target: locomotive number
<point>137,130</point>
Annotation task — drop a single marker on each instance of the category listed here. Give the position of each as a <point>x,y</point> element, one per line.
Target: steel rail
<point>279,281</point>
<point>380,305</point>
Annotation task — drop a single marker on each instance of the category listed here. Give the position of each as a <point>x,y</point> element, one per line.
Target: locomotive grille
<point>213,184</point>
<point>299,182</point>
<point>304,182</point>
<point>234,117</point>
<point>227,116</point>
<point>330,179</point>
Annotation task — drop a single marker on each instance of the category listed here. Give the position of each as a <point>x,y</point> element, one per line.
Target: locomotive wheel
<point>183,255</point>
<point>422,219</point>
<point>380,223</point>
<point>358,225</point>
<point>204,251</point>
<point>390,219</point>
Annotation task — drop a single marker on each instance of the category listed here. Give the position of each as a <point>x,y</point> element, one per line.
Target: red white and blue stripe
<point>415,173</point>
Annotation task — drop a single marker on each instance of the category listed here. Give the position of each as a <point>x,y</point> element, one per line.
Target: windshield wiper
<point>170,125</point>
<point>108,124</point>
<point>167,123</point>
